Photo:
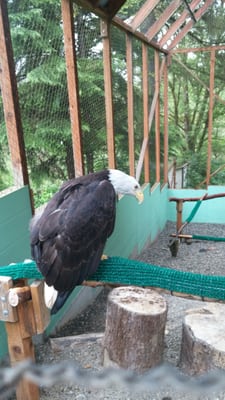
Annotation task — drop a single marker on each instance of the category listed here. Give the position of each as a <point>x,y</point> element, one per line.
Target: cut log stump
<point>203,339</point>
<point>135,326</point>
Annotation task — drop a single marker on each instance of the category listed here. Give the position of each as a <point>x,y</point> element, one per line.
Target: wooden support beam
<point>157,119</point>
<point>165,118</point>
<point>130,103</point>
<point>143,13</point>
<point>165,15</point>
<point>105,33</point>
<point>198,49</point>
<point>210,115</point>
<point>10,98</point>
<point>177,24</point>
<point>21,347</point>
<point>145,90</point>
<point>150,121</point>
<point>72,84</point>
<point>189,24</point>
<point>119,23</point>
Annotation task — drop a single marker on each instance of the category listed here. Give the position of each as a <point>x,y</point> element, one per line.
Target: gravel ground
<point>202,257</point>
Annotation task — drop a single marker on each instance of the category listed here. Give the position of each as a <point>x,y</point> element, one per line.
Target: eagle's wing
<point>68,239</point>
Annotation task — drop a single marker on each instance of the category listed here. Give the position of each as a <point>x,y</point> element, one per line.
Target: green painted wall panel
<point>210,211</point>
<point>15,214</point>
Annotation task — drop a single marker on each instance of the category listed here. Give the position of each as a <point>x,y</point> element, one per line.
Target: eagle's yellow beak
<point>139,196</point>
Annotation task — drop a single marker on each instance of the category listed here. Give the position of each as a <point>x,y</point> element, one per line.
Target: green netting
<point>123,271</point>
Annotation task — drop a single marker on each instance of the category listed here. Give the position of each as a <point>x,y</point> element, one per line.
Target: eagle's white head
<point>125,184</point>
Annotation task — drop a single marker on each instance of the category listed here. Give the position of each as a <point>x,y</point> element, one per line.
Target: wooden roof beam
<point>177,24</point>
<point>143,12</point>
<point>189,25</point>
<point>119,23</point>
<point>166,14</point>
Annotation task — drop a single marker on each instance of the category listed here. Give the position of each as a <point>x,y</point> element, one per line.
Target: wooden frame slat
<point>166,14</point>
<point>189,24</point>
<point>11,106</point>
<point>130,103</point>
<point>177,24</point>
<point>157,119</point>
<point>210,115</point>
<point>143,12</point>
<point>105,33</point>
<point>165,118</point>
<point>145,89</point>
<point>72,84</point>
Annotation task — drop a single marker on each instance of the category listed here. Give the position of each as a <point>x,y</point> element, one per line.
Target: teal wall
<point>210,211</point>
<point>15,214</point>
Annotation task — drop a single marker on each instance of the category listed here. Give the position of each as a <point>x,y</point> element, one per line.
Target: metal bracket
<point>7,312</point>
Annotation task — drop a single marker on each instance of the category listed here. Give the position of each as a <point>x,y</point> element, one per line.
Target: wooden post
<point>25,314</point>
<point>157,119</point>
<point>72,83</point>
<point>8,86</point>
<point>210,115</point>
<point>107,63</point>
<point>166,134</point>
<point>179,206</point>
<point>145,89</point>
<point>130,102</point>
<point>21,347</point>
<point>135,324</point>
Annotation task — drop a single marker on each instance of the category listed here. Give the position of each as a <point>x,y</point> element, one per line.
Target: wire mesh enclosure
<point>152,117</point>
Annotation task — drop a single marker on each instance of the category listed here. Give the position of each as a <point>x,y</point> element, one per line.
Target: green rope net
<point>122,271</point>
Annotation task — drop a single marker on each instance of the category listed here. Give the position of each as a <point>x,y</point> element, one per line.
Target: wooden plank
<point>143,13</point>
<point>130,103</point>
<point>157,118</point>
<point>210,115</point>
<point>9,93</point>
<point>119,23</point>
<point>107,62</point>
<point>165,15</point>
<point>189,24</point>
<point>165,119</point>
<point>7,312</point>
<point>145,89</point>
<point>177,24</point>
<point>41,312</point>
<point>198,49</point>
<point>150,120</point>
<point>21,347</point>
<point>72,84</point>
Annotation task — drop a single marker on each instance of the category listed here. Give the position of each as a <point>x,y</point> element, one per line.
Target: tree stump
<point>135,326</point>
<point>203,339</point>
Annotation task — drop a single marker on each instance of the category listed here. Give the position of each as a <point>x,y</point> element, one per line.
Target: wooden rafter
<point>166,14</point>
<point>143,12</point>
<point>199,13</point>
<point>177,24</point>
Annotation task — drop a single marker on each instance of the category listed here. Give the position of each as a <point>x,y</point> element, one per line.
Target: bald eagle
<point>68,238</point>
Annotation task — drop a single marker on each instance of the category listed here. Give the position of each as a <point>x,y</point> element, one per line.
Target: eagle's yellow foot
<point>104,257</point>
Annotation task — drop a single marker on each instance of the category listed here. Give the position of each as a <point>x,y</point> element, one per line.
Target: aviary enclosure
<point>136,85</point>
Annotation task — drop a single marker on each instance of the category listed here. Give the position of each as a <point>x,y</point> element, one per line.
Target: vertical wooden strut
<point>10,97</point>
<point>23,310</point>
<point>105,33</point>
<point>210,114</point>
<point>72,83</point>
<point>130,102</point>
